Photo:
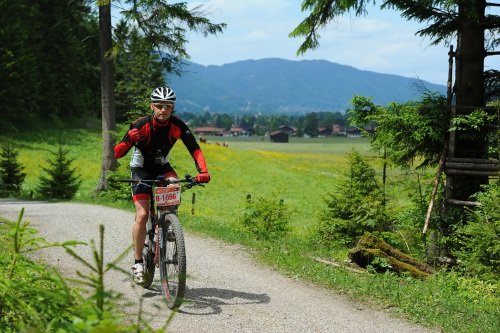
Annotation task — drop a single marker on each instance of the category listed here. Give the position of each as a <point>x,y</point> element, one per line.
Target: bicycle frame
<point>157,212</point>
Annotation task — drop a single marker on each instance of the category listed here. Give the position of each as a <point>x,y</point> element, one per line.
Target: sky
<point>381,41</point>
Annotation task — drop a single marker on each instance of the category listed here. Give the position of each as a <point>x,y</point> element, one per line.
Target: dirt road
<point>227,291</point>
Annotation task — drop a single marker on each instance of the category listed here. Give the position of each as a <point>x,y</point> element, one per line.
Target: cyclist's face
<point>162,111</point>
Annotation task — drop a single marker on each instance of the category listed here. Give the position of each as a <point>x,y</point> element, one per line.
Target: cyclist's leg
<point>140,196</point>
<point>139,227</point>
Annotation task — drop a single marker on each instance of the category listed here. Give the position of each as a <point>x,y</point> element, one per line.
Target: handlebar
<point>161,181</point>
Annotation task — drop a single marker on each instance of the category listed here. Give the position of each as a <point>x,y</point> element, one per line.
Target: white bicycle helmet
<point>163,94</point>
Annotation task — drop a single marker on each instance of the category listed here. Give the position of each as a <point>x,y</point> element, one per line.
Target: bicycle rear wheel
<point>172,260</point>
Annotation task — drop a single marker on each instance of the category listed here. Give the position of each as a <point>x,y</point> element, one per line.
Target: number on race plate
<point>168,196</point>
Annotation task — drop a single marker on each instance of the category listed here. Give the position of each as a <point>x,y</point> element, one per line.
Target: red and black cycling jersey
<point>158,139</point>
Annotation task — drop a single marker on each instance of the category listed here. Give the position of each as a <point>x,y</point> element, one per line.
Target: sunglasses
<point>162,106</point>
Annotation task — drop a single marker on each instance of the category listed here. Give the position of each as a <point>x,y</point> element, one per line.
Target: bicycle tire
<point>172,260</point>
<point>148,255</point>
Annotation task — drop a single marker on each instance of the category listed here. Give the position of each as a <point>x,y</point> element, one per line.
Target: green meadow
<point>301,173</point>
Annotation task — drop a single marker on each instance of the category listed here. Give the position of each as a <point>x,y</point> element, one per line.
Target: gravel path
<point>226,290</point>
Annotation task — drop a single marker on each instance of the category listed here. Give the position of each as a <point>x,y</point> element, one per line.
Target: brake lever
<point>193,183</point>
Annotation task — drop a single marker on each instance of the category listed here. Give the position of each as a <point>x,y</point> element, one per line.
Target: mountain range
<point>272,85</point>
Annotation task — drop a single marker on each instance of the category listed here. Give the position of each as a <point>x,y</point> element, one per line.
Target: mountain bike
<point>164,247</point>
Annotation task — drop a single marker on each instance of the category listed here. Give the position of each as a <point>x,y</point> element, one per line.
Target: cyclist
<point>152,137</point>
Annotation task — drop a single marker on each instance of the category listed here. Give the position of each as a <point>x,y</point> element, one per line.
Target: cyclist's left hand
<point>203,177</point>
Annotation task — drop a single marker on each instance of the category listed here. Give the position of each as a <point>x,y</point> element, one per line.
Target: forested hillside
<point>284,86</point>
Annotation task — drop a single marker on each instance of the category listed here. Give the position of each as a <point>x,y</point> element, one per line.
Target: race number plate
<point>168,196</point>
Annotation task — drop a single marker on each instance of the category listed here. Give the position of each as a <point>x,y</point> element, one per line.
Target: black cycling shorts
<point>143,192</point>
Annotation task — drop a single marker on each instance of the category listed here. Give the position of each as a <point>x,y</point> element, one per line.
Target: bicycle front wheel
<point>172,260</point>
<point>148,255</point>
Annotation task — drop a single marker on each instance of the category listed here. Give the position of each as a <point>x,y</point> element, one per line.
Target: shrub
<point>357,206</point>
<point>117,191</point>
<point>479,238</point>
<point>61,182</point>
<point>266,218</point>
<point>11,171</point>
<point>410,219</point>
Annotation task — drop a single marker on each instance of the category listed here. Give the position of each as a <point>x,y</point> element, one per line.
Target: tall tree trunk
<point>469,87</point>
<point>107,94</point>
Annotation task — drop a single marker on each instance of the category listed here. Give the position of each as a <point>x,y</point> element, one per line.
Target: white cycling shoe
<point>138,272</point>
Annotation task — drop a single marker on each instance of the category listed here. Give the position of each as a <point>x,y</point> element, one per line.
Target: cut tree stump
<point>370,247</point>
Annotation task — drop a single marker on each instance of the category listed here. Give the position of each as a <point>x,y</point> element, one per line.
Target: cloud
<point>384,47</point>
<point>258,35</point>
<point>241,8</point>
<point>381,42</point>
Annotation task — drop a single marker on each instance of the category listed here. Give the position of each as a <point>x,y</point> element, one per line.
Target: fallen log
<point>370,248</point>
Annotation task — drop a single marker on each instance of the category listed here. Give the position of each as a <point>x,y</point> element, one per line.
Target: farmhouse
<point>338,129</point>
<point>238,131</point>
<point>208,131</point>
<point>288,129</point>
<point>324,131</point>
<point>352,131</point>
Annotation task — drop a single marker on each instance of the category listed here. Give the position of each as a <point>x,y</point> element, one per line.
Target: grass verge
<point>445,300</point>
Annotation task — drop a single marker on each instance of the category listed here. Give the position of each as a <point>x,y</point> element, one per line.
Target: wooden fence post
<point>193,201</point>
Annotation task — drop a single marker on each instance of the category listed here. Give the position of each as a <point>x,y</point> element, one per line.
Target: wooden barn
<point>279,136</point>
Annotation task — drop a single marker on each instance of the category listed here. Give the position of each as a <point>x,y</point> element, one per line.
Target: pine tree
<point>311,124</point>
<point>11,171</point>
<point>61,181</point>
<point>138,71</point>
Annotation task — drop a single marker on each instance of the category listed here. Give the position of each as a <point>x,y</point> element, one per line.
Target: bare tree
<point>107,93</point>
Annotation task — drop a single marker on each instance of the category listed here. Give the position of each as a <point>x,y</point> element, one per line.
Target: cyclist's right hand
<point>134,135</point>
<point>203,177</point>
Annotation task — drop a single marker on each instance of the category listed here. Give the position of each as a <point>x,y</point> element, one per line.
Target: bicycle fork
<point>170,237</point>
<point>157,247</point>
